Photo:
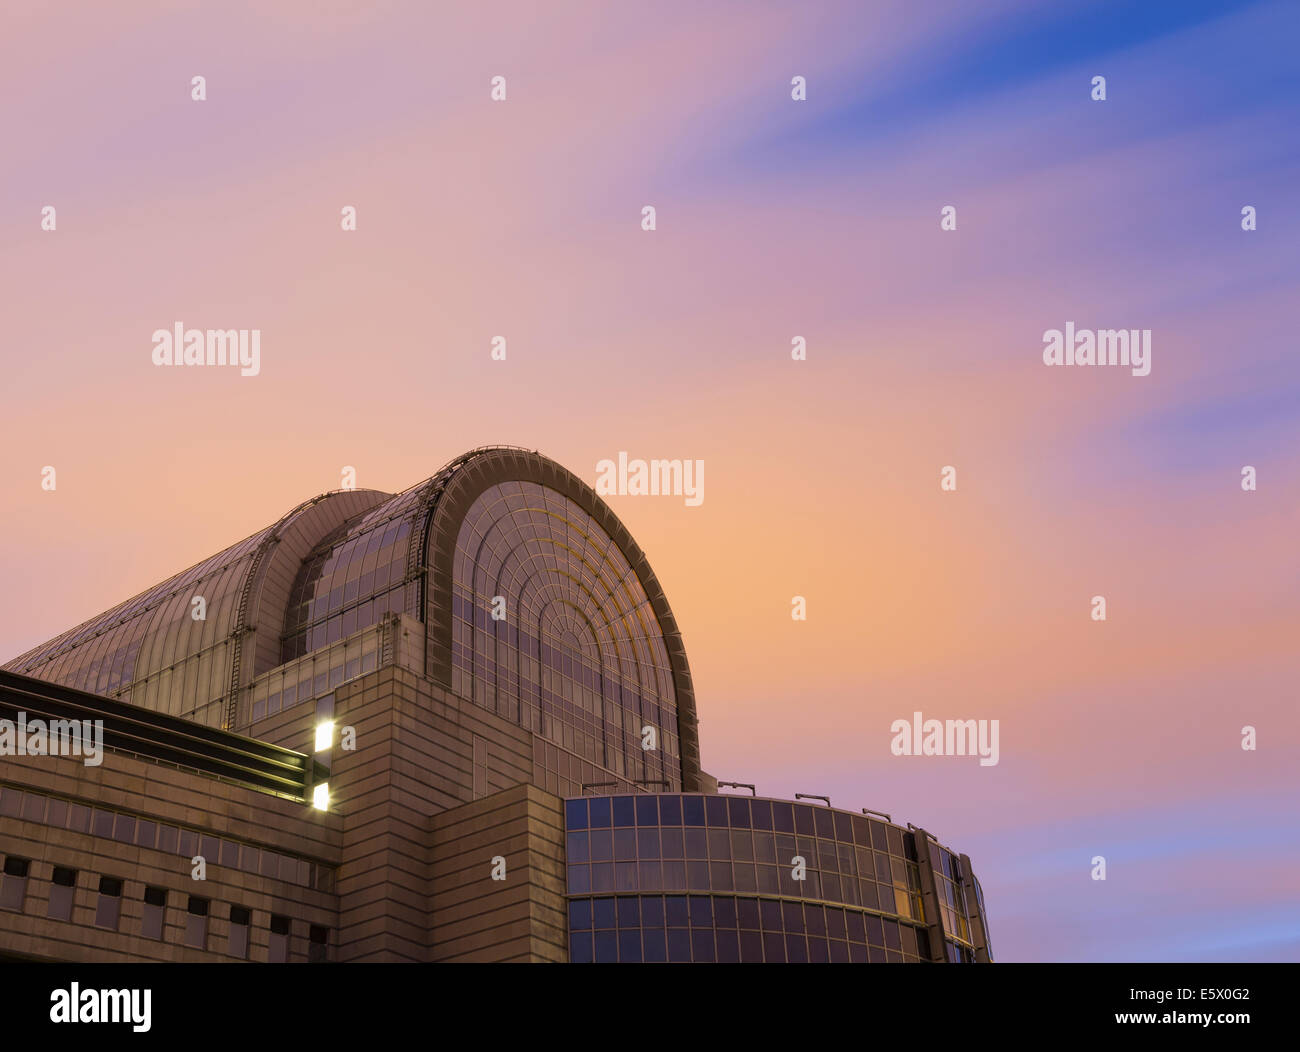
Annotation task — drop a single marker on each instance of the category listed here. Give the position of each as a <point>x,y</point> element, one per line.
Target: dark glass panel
<point>647,843</point>
<point>855,922</point>
<point>600,812</point>
<point>747,913</point>
<point>575,814</point>
<point>701,910</point>
<point>835,923</point>
<point>601,845</point>
<point>602,913</point>
<point>629,913</point>
<point>676,914</point>
<point>577,848</point>
<point>629,946</point>
<point>580,914</point>
<point>606,947</point>
<point>843,827</point>
<point>652,911</point>
<point>654,945</point>
<point>751,947</point>
<point>625,844</point>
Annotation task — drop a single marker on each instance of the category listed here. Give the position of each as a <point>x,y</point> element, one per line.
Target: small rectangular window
<point>13,886</point>
<point>124,829</point>
<point>155,913</point>
<point>109,906</point>
<point>318,947</point>
<point>79,818</point>
<point>239,921</point>
<point>278,951</point>
<point>196,923</point>
<point>34,807</point>
<point>62,890</point>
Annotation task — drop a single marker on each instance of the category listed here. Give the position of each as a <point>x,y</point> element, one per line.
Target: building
<point>451,724</point>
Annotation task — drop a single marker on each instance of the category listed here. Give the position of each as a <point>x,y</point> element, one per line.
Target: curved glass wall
<point>353,578</point>
<point>669,877</point>
<point>577,654</point>
<point>727,929</point>
<point>150,650</point>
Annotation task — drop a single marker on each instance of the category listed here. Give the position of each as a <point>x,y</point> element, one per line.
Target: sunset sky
<point>775,219</point>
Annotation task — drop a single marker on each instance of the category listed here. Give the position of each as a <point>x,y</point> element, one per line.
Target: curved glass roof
<point>162,649</point>
<point>153,632</point>
<point>155,651</point>
<point>338,564</point>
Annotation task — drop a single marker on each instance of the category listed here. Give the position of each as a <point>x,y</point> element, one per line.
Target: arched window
<point>575,653</point>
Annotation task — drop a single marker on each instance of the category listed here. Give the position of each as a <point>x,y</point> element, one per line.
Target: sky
<point>775,219</point>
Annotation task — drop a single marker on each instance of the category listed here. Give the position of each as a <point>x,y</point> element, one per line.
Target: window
<point>574,604</point>
<point>318,947</point>
<point>155,913</point>
<point>196,923</point>
<point>13,886</point>
<point>239,921</point>
<point>278,952</point>
<point>62,890</point>
<point>109,907</point>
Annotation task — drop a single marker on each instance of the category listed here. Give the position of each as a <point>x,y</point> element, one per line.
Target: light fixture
<point>320,796</point>
<point>324,735</point>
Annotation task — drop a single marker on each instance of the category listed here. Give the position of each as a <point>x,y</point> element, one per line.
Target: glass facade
<point>150,649</point>
<point>126,828</point>
<point>576,653</point>
<point>354,577</point>
<point>579,656</point>
<point>316,674</point>
<point>672,877</point>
